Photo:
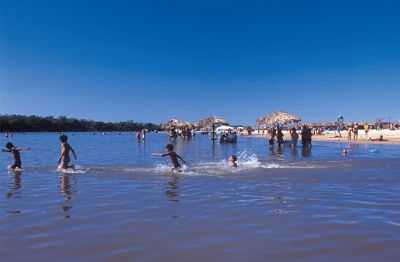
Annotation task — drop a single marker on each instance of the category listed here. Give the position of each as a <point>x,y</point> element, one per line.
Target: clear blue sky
<point>153,60</point>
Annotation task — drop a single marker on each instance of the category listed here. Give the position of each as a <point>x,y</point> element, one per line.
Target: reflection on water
<point>276,152</point>
<point>306,151</point>
<point>294,152</point>
<point>15,184</point>
<point>172,188</point>
<point>66,189</point>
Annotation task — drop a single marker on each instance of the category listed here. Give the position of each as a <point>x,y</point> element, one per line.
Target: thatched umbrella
<point>175,123</point>
<point>275,118</point>
<point>209,121</point>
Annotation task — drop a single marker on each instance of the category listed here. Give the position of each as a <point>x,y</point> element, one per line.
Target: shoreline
<point>343,140</point>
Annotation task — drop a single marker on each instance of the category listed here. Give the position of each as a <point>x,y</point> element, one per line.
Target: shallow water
<point>126,205</point>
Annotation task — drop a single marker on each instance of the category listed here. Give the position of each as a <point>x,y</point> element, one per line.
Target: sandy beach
<point>390,137</point>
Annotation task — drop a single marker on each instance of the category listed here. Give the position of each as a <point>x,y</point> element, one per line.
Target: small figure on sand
<point>232,161</point>
<point>355,132</point>
<point>349,133</point>
<point>380,139</point>
<point>366,130</point>
<point>15,151</point>
<point>174,157</point>
<point>65,160</point>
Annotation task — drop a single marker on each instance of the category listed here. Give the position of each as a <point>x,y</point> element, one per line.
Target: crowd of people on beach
<point>353,133</point>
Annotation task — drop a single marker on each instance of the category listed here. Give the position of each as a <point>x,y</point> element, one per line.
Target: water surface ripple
<point>279,205</point>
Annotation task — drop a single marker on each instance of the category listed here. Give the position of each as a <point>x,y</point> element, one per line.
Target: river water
<point>124,204</point>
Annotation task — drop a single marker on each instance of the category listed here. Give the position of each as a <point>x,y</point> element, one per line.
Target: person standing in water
<point>15,151</point>
<point>139,135</point>
<point>294,136</point>
<point>273,135</point>
<point>280,136</point>
<point>65,160</point>
<point>144,134</point>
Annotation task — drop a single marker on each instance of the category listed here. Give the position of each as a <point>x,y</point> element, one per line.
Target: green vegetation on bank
<point>20,123</point>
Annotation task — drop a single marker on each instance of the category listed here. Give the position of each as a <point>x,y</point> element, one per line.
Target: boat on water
<point>230,138</point>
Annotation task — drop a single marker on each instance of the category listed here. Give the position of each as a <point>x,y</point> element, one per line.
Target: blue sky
<point>154,60</point>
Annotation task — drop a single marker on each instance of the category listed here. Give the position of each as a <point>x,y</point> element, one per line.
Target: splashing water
<point>248,161</point>
<point>77,170</point>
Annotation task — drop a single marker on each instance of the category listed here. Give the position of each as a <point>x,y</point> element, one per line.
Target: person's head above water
<point>63,138</point>
<point>170,147</point>
<point>9,145</point>
<point>233,161</point>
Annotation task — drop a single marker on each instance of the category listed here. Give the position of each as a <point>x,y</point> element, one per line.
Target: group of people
<point>141,135</point>
<point>277,134</point>
<point>185,133</point>
<point>352,132</point>
<point>64,161</point>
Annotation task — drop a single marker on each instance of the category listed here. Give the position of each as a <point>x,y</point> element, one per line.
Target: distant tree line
<point>20,123</point>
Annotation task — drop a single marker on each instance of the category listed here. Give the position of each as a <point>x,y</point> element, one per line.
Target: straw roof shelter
<point>175,123</point>
<point>277,118</point>
<point>207,122</point>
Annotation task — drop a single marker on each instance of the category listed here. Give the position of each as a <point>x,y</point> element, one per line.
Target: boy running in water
<point>65,160</point>
<point>15,151</point>
<point>173,156</point>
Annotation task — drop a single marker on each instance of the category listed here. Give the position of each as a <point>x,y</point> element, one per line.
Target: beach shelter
<point>175,123</point>
<point>206,123</point>
<point>277,118</point>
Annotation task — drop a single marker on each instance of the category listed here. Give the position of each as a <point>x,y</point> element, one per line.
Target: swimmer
<point>232,161</point>
<point>15,151</point>
<point>345,152</point>
<point>66,149</point>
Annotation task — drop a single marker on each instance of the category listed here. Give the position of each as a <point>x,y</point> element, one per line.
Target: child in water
<point>345,152</point>
<point>232,161</point>
<point>66,149</point>
<point>15,151</point>
<point>173,156</point>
